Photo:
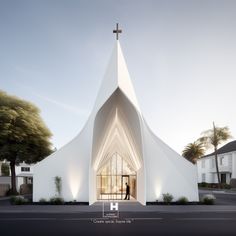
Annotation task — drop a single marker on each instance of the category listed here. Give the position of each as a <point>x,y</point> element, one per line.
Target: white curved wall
<point>168,172</point>
<point>71,163</point>
<point>161,169</point>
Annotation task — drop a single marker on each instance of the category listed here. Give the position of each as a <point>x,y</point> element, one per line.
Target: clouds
<point>64,106</point>
<point>54,102</point>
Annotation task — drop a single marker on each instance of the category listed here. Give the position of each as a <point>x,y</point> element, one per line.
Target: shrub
<point>208,199</point>
<point>10,192</point>
<point>226,186</point>
<point>43,200</point>
<point>18,200</point>
<point>203,184</point>
<point>213,185</point>
<point>182,200</point>
<point>56,200</point>
<point>57,181</point>
<point>167,197</point>
<point>5,169</point>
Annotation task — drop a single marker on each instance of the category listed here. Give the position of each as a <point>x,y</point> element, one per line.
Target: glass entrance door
<point>111,179</point>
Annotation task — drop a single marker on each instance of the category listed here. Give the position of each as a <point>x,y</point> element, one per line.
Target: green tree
<point>193,151</point>
<point>215,137</point>
<point>23,134</point>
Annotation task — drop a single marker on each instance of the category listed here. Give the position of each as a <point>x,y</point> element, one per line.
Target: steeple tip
<point>117,31</point>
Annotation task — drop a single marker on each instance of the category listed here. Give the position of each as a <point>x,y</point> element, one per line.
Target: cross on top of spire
<point>117,31</point>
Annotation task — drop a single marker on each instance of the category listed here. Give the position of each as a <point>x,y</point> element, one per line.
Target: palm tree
<point>193,151</point>
<point>214,137</point>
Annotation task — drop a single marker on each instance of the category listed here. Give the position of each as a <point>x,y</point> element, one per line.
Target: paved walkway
<point>123,207</point>
<point>225,191</point>
<point>225,201</point>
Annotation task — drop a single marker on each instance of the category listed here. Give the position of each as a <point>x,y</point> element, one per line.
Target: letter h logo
<point>114,206</point>
<point>111,210</point>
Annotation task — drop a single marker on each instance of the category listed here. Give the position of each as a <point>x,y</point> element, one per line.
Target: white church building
<point>115,147</point>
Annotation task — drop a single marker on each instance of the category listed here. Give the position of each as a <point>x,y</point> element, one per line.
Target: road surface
<point>129,223</point>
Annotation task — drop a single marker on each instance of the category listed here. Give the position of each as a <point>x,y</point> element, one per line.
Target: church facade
<point>115,147</point>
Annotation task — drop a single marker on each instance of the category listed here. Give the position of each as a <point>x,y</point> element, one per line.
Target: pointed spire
<point>116,76</point>
<point>124,81</point>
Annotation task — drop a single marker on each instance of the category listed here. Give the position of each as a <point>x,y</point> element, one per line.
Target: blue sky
<point>181,56</point>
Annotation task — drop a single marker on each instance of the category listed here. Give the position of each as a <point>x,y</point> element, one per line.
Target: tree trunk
<point>217,168</point>
<point>13,177</point>
<point>215,144</point>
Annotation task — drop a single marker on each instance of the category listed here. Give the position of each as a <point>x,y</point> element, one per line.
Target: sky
<point>181,56</point>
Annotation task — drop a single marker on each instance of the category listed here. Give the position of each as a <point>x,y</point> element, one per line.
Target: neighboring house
<point>24,175</point>
<point>226,162</point>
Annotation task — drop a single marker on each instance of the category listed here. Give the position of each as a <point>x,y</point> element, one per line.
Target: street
<point>222,197</point>
<point>135,223</point>
<point>134,219</point>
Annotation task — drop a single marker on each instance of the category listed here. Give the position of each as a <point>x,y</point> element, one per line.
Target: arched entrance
<point>112,176</point>
<point>117,151</point>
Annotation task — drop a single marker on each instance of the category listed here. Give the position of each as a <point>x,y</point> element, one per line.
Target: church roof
<point>229,147</point>
<point>116,76</point>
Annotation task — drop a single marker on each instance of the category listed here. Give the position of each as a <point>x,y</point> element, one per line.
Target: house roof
<point>229,147</point>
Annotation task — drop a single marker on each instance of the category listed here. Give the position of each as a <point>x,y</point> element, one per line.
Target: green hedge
<point>213,185</point>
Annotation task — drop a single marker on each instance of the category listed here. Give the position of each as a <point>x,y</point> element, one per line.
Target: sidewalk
<point>123,207</point>
<point>203,190</point>
<point>4,198</point>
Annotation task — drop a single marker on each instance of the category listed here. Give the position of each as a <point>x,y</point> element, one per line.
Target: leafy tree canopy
<point>23,134</point>
<point>193,151</point>
<point>215,136</point>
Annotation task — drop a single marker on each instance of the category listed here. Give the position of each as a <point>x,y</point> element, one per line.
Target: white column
<point>233,165</point>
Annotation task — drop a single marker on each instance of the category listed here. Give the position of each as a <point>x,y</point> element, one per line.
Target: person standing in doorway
<point>127,196</point>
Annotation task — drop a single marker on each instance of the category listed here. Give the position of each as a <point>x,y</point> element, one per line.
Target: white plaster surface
<point>116,124</point>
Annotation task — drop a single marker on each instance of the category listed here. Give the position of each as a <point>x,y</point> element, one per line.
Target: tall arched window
<point>112,176</point>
